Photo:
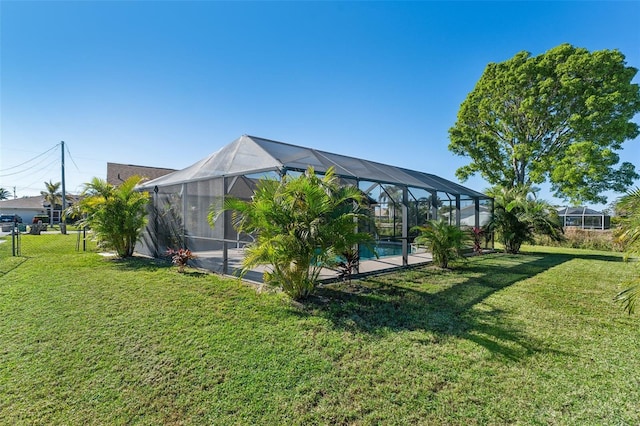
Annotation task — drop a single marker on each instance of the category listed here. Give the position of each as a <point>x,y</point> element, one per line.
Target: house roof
<point>250,154</point>
<point>35,202</point>
<point>118,173</point>
<point>28,203</point>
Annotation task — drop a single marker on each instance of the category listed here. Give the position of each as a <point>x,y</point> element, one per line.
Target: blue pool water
<point>384,249</point>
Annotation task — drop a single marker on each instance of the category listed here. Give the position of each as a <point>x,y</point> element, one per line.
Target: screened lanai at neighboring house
<point>399,199</point>
<point>584,218</point>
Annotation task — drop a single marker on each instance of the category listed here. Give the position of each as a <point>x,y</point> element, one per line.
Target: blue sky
<point>166,83</point>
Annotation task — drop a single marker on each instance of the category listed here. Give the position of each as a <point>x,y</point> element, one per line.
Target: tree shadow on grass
<point>586,256</point>
<point>149,264</point>
<point>7,267</point>
<point>407,301</point>
<point>140,263</point>
<point>196,274</point>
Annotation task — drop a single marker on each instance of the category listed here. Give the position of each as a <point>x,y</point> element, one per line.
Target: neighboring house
<point>584,218</point>
<point>118,173</point>
<point>468,218</point>
<point>28,207</point>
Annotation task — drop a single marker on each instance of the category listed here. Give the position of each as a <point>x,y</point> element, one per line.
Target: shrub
<point>116,214</point>
<point>181,257</point>
<point>478,234</point>
<point>446,242</point>
<point>583,239</point>
<point>301,225</point>
<point>519,217</point>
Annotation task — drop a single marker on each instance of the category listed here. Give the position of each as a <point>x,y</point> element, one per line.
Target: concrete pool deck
<point>212,260</point>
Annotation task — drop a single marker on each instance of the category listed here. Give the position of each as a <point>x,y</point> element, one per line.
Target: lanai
<point>401,198</point>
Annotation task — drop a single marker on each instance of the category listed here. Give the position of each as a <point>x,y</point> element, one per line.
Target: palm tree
<point>518,216</point>
<point>301,225</point>
<point>4,194</point>
<point>446,242</point>
<point>116,214</point>
<point>52,196</point>
<point>628,233</point>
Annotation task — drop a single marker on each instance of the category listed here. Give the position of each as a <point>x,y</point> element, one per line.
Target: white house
<point>468,218</point>
<point>27,208</point>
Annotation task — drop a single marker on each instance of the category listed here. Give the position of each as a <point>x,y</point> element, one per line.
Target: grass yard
<point>527,339</point>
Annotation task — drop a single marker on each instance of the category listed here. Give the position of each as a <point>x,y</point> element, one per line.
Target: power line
<point>71,158</point>
<point>36,166</point>
<point>30,167</point>
<point>28,161</point>
<point>45,171</point>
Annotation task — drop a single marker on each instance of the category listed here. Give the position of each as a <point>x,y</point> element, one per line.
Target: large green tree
<point>558,117</point>
<point>301,224</point>
<point>116,214</point>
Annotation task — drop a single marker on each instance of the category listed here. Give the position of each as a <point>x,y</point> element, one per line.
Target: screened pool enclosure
<point>398,199</point>
<point>584,218</point>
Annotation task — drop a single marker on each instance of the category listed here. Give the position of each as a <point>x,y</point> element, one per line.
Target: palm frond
<point>628,298</point>
<point>300,225</point>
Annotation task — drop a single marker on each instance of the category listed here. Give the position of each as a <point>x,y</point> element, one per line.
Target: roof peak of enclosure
<point>253,154</point>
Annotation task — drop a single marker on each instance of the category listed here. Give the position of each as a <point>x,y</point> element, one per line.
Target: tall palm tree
<point>52,196</point>
<point>4,194</point>
<point>301,225</point>
<point>628,233</point>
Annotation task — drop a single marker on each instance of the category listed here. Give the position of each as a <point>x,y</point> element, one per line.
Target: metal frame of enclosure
<point>584,218</point>
<point>399,200</point>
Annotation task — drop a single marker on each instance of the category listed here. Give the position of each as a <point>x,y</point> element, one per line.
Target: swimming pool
<point>383,248</point>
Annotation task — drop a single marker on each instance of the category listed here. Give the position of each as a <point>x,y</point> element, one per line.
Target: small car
<point>6,218</point>
<point>41,218</point>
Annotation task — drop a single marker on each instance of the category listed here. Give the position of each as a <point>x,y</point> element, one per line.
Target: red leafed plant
<point>478,233</point>
<point>180,257</point>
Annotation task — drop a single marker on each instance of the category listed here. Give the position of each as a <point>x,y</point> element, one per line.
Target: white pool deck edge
<point>367,267</point>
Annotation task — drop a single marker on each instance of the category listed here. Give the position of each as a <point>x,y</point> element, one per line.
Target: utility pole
<point>63,225</point>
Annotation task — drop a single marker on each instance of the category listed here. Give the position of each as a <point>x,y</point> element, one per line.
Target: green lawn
<point>528,339</point>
